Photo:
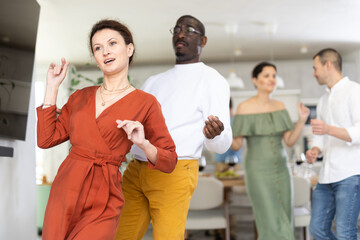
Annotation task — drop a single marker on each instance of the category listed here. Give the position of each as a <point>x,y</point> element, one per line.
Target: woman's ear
<point>254,80</point>
<point>131,49</point>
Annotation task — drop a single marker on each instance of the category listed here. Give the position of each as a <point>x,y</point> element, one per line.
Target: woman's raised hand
<point>56,73</point>
<point>303,112</point>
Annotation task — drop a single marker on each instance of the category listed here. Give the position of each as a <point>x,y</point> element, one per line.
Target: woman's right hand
<point>303,112</point>
<point>56,73</point>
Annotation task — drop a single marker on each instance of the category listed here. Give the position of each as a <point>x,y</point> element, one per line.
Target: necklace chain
<point>103,102</point>
<point>115,90</point>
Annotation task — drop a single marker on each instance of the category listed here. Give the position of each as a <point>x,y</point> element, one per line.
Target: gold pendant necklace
<point>103,102</point>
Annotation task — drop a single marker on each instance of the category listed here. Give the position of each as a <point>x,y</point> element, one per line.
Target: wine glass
<point>308,171</point>
<point>301,160</point>
<point>202,163</point>
<point>231,160</point>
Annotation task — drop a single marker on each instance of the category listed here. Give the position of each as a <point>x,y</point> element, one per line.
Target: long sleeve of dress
<point>157,133</point>
<point>52,130</point>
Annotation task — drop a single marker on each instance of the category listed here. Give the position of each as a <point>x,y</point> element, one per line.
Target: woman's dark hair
<point>258,68</point>
<point>113,25</point>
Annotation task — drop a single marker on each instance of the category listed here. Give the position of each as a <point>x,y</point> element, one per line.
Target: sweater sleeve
<point>157,133</point>
<point>216,103</point>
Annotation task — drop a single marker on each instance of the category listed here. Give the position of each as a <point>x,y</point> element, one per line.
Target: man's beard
<point>179,54</point>
<point>181,57</point>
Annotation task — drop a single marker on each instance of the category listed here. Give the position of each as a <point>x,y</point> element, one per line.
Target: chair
<point>302,214</point>
<point>240,206</point>
<point>206,211</point>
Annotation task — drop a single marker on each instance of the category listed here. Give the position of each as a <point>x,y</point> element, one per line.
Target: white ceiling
<point>64,26</point>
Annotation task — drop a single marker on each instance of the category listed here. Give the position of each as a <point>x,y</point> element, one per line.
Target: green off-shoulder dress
<point>267,174</point>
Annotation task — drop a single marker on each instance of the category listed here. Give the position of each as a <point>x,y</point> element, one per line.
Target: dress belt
<point>101,200</point>
<point>99,158</point>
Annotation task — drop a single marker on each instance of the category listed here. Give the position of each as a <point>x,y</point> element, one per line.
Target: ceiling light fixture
<point>235,82</point>
<point>279,82</point>
<point>271,29</point>
<point>303,49</point>
<point>237,52</point>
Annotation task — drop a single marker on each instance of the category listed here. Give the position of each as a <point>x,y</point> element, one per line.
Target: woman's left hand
<point>303,112</point>
<point>134,131</point>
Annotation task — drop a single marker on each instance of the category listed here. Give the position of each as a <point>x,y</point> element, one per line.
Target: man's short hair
<point>331,55</point>
<point>200,24</point>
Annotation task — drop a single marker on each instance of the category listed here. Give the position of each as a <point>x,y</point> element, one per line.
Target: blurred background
<point>240,34</point>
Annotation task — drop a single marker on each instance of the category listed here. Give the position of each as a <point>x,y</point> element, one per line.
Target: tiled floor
<point>245,231</point>
<point>243,223</point>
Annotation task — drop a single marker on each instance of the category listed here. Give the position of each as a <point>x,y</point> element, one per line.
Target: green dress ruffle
<point>267,175</point>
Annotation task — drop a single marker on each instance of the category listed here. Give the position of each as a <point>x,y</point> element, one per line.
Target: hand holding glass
<point>202,163</point>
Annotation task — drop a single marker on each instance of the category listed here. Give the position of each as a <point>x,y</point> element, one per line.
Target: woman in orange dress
<point>102,123</point>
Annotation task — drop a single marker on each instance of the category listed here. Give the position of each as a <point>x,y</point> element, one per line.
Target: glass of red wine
<point>202,163</point>
<point>231,160</point>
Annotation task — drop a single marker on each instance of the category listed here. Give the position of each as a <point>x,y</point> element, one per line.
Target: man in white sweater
<point>337,138</point>
<point>194,100</point>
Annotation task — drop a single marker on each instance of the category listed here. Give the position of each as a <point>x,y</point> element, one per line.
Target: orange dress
<point>86,198</point>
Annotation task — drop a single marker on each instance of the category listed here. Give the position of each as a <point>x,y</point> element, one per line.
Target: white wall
<point>17,180</point>
<point>50,159</point>
<point>297,74</point>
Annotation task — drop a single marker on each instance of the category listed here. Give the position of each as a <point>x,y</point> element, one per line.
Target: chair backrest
<point>208,194</point>
<point>301,191</point>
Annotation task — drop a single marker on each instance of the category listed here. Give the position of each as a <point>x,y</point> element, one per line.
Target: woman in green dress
<point>265,122</point>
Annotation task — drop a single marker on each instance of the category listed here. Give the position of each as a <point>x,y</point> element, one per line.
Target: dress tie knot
<point>100,161</point>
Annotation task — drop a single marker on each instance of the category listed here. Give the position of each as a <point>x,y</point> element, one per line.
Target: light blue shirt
<point>229,152</point>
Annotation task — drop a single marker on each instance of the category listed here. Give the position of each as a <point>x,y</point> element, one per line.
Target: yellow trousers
<point>160,197</point>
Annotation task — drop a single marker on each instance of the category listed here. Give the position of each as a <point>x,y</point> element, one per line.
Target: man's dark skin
<point>187,49</point>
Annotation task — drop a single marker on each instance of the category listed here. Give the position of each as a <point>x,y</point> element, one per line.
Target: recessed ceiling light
<point>303,49</point>
<point>237,52</point>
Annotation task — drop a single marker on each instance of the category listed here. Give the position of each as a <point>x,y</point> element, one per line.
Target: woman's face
<point>110,51</point>
<point>266,80</point>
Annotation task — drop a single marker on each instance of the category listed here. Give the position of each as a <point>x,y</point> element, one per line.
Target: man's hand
<point>319,127</point>
<point>311,155</point>
<point>213,127</point>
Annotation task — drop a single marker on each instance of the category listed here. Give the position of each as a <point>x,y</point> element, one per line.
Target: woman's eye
<point>97,48</point>
<point>112,43</point>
